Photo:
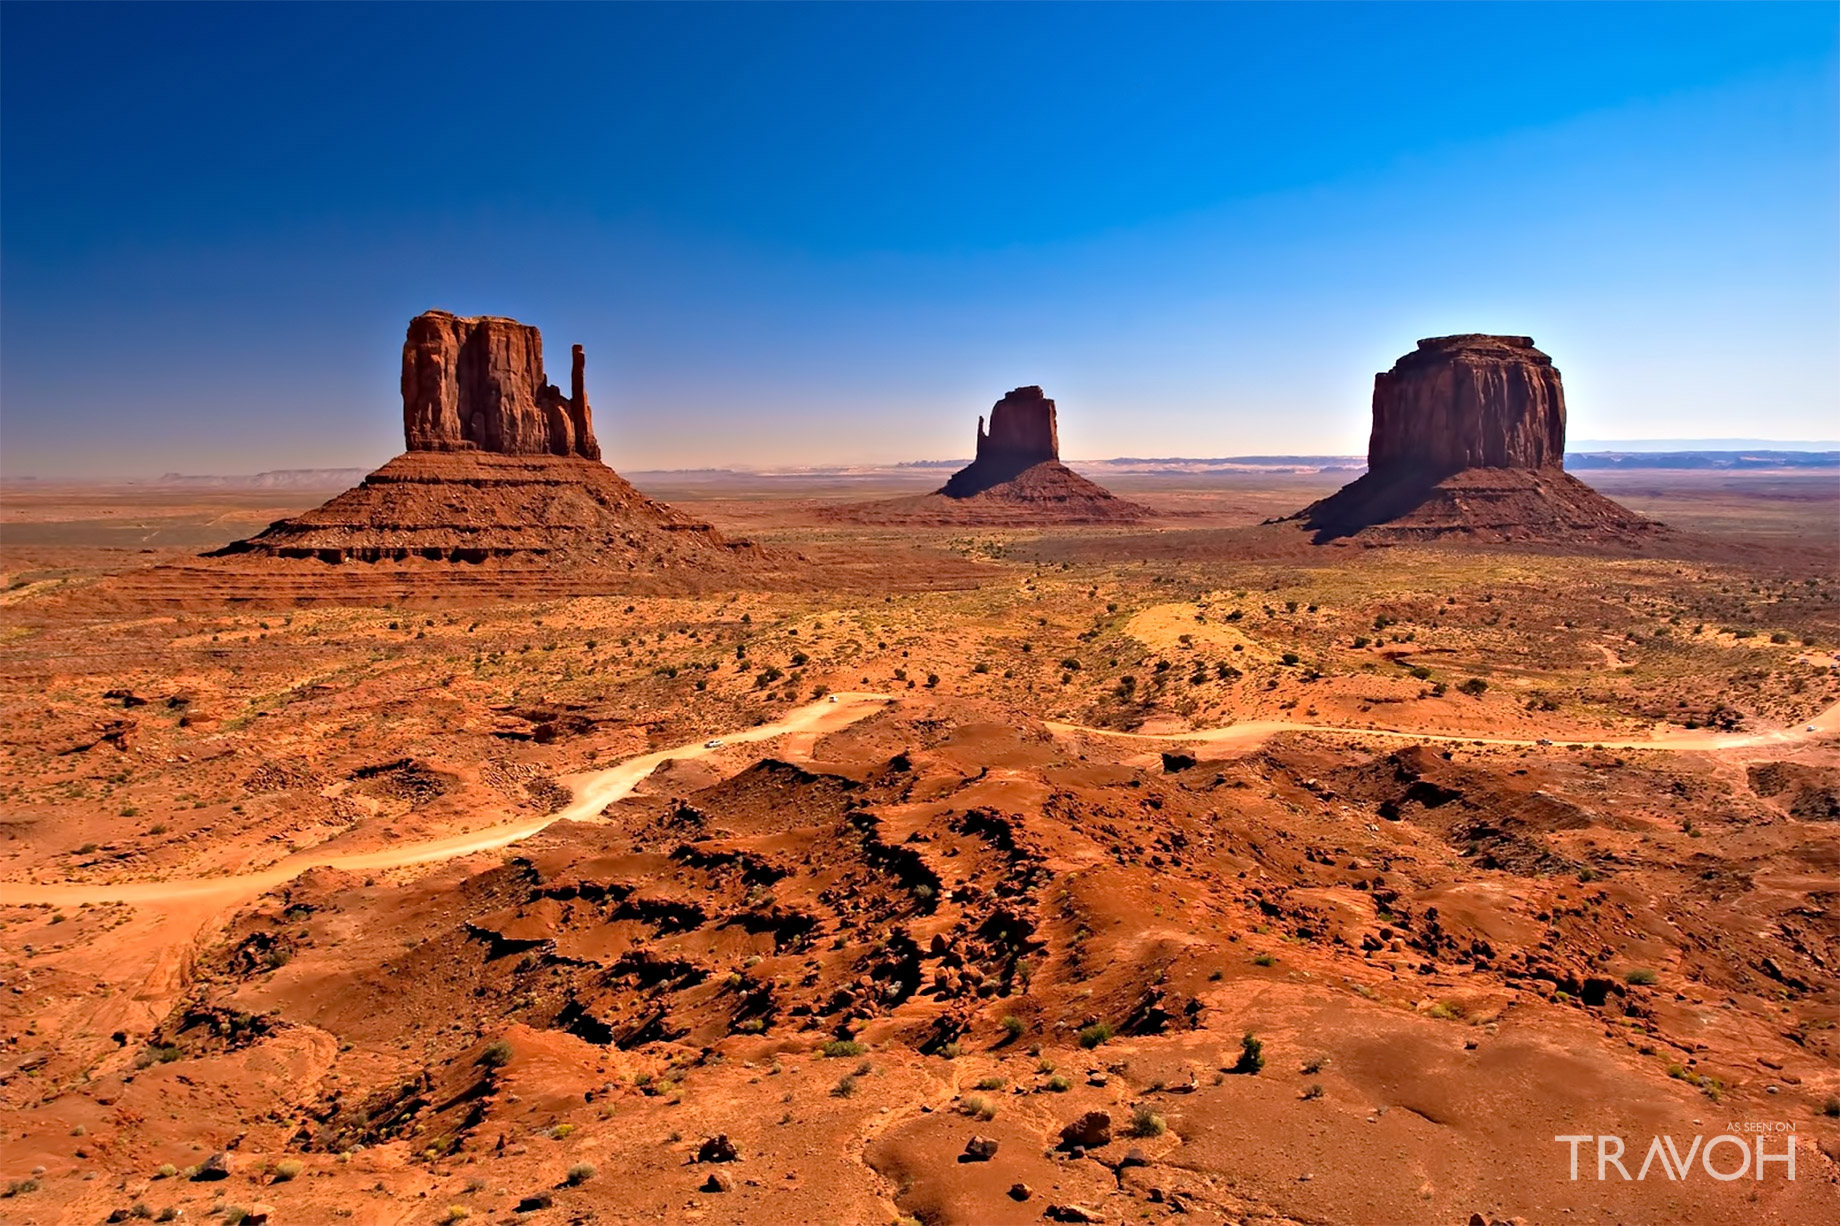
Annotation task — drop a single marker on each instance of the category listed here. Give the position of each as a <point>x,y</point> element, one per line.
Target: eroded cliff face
<point>1469,401</point>
<point>1022,430</point>
<point>1022,434</point>
<point>477,383</point>
<point>1469,441</point>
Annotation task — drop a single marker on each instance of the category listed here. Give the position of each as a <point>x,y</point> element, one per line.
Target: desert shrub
<point>1146,1123</point>
<point>1474,687</point>
<point>1831,1108</point>
<point>1264,959</point>
<point>1095,1034</point>
<point>1314,1092</point>
<point>1290,657</point>
<point>496,1055</point>
<point>978,1107</point>
<point>1251,1055</point>
<point>1013,1027</point>
<point>1313,1066</point>
<point>990,1083</point>
<point>580,1173</point>
<point>290,1169</point>
<point>1642,976</point>
<point>167,1171</point>
<point>845,1087</point>
<point>1059,1084</point>
<point>838,1048</point>
<point>561,1132</point>
<point>456,1213</point>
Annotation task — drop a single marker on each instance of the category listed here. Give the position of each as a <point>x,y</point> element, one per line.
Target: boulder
<point>717,1149</point>
<point>979,1149</point>
<point>216,1167</point>
<point>1090,1131</point>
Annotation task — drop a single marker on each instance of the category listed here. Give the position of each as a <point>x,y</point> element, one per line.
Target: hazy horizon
<point>811,235</point>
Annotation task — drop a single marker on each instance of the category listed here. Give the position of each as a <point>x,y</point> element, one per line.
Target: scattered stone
<point>1074,1213</point>
<point>1174,762</point>
<point>534,1202</point>
<point>1134,1157</point>
<point>717,1149</point>
<point>979,1149</point>
<point>1020,1191</point>
<point>258,1214</point>
<point>216,1167</point>
<point>1090,1131</point>
<point>718,1182</point>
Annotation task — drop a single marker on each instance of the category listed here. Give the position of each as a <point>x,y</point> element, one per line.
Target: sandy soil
<point>422,912</point>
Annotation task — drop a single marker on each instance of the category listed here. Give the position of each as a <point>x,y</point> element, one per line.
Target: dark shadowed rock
<point>1091,1131</point>
<point>1023,433</point>
<point>1470,401</point>
<point>979,1149</point>
<point>717,1149</point>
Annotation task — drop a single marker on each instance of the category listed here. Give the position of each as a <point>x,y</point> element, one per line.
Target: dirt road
<point>595,790</point>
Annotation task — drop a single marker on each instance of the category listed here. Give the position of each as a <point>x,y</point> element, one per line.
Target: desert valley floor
<point>1171,869</point>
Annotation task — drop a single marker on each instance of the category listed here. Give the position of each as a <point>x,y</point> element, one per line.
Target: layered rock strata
<point>1469,440</point>
<point>477,383</point>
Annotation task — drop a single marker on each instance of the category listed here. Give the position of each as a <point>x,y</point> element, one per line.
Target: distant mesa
<point>1469,441</point>
<point>1015,478</point>
<point>1023,433</point>
<point>502,471</point>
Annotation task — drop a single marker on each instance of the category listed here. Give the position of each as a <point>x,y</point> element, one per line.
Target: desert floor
<point>505,910</point>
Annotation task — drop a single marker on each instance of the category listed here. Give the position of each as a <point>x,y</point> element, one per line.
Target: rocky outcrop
<point>1023,433</point>
<point>1469,441</point>
<point>1017,479</point>
<point>477,384</point>
<point>501,490</point>
<point>1469,401</point>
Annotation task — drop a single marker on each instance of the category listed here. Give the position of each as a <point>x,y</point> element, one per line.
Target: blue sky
<point>838,233</point>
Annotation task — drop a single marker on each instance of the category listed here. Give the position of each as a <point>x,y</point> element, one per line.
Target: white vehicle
<point>834,699</point>
<point>714,744</point>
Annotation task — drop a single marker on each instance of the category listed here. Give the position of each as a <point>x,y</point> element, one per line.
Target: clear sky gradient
<point>831,233</point>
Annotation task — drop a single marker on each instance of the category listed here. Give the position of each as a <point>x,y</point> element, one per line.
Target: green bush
<point>1146,1123</point>
<point>1251,1055</point>
<point>1095,1034</point>
<point>838,1048</point>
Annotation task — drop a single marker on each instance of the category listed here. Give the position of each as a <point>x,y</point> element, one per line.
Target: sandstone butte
<point>501,471</point>
<point>1016,477</point>
<point>1469,441</point>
